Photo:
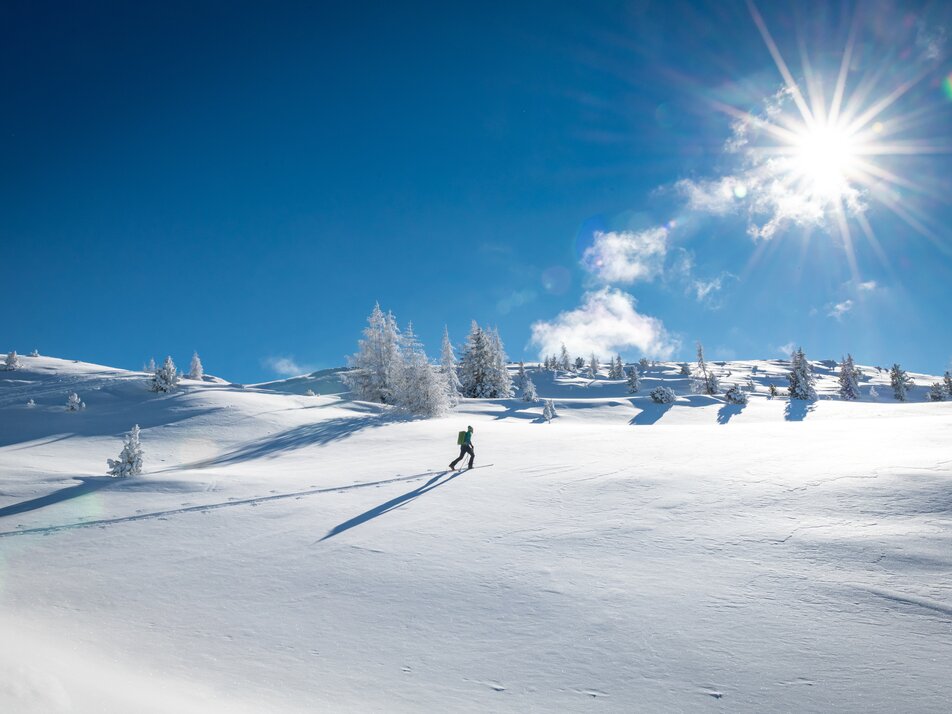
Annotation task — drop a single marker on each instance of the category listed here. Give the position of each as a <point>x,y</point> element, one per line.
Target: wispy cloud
<point>627,256</point>
<point>287,366</point>
<point>606,322</point>
<point>840,309</point>
<point>787,349</point>
<point>868,286</point>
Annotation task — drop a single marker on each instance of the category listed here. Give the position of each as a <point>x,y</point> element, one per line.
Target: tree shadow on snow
<point>391,505</point>
<point>317,434</point>
<point>87,485</point>
<point>726,412</point>
<point>650,413</point>
<point>797,409</point>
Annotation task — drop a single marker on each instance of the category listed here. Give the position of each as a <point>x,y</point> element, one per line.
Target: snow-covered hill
<point>285,552</point>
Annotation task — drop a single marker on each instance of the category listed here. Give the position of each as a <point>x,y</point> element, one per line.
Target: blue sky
<point>248,179</point>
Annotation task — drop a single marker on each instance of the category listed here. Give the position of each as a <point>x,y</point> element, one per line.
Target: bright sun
<point>824,157</point>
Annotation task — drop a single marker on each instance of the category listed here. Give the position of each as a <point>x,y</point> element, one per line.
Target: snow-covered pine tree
<point>503,381</point>
<point>196,371</point>
<point>35,353</point>
<point>30,404</point>
<point>12,361</point>
<point>662,395</point>
<point>521,375</point>
<point>873,393</point>
<point>371,373</point>
<point>594,365</point>
<point>129,462</point>
<point>419,388</point>
<point>772,389</point>
<point>74,403</point>
<point>849,389</point>
<point>643,364</point>
<point>705,381</point>
<point>548,411</point>
<point>150,366</point>
<point>476,368</point>
<point>616,369</point>
<point>449,369</point>
<point>309,392</point>
<point>579,364</point>
<point>801,377</point>
<point>947,381</point>
<point>166,377</point>
<point>735,395</point>
<point>529,390</point>
<point>937,392</point>
<point>565,362</point>
<point>900,382</point>
<point>634,379</point>
<point>685,370</point>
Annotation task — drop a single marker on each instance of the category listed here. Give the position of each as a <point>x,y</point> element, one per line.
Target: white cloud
<point>787,349</point>
<point>287,366</point>
<point>606,322</point>
<point>718,197</point>
<point>627,256</point>
<point>840,309</point>
<point>868,286</point>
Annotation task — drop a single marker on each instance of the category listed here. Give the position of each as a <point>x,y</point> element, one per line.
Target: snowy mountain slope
<point>292,553</point>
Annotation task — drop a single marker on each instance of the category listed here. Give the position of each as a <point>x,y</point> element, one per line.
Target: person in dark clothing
<point>465,448</point>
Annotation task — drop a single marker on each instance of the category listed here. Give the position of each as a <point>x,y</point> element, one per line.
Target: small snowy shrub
<point>872,391</point>
<point>773,390</point>
<point>735,395</point>
<point>937,392</point>
<point>12,361</point>
<point>129,462</point>
<point>165,378</point>
<point>548,411</point>
<point>196,371</point>
<point>309,392</point>
<point>644,363</point>
<point>31,404</point>
<point>662,395</point>
<point>579,363</point>
<point>529,390</point>
<point>685,370</point>
<point>74,403</point>
<point>35,353</point>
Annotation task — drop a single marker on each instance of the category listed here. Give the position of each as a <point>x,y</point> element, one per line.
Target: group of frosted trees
<point>391,367</point>
<point>166,378</point>
<point>563,362</point>
<point>529,393</point>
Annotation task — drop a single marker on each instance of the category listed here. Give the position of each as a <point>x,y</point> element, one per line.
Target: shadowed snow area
<point>285,552</point>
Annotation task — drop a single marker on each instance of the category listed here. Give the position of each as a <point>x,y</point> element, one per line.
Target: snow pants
<point>463,450</point>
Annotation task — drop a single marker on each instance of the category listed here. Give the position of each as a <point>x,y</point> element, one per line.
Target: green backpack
<point>461,439</point>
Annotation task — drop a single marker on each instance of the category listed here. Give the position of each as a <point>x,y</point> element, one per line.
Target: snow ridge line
<point>213,506</point>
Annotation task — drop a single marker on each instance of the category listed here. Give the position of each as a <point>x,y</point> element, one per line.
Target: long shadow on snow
<point>87,485</point>
<point>651,412</point>
<point>317,434</point>
<point>390,505</point>
<point>727,411</point>
<point>797,409</point>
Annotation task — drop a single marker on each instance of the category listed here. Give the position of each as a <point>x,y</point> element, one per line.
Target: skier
<point>465,442</point>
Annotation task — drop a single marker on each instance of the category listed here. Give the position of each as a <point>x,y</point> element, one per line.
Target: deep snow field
<point>297,553</point>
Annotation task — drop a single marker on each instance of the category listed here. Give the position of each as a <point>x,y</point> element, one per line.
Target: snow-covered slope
<point>295,553</point>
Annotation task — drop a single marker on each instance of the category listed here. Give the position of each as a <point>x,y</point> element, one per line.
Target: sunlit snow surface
<point>294,553</point>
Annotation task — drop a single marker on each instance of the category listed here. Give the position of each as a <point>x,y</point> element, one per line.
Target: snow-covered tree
<point>616,369</point>
<point>31,404</point>
<point>900,382</point>
<point>594,365</point>
<point>801,377</point>
<point>565,362</point>
<point>548,411</point>
<point>12,361</point>
<point>735,395</point>
<point>483,372</point>
<point>521,375</point>
<point>547,363</point>
<point>74,403</point>
<point>449,369</point>
<point>633,378</point>
<point>705,381</point>
<point>529,390</point>
<point>872,391</point>
<point>309,392</point>
<point>849,389</point>
<point>579,364</point>
<point>129,462</point>
<point>196,371</point>
<point>947,381</point>
<point>662,395</point>
<point>372,368</point>
<point>643,363</point>
<point>149,366</point>
<point>500,364</point>
<point>685,370</point>
<point>937,392</point>
<point>35,353</point>
<point>772,389</point>
<point>166,377</point>
<point>418,387</point>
